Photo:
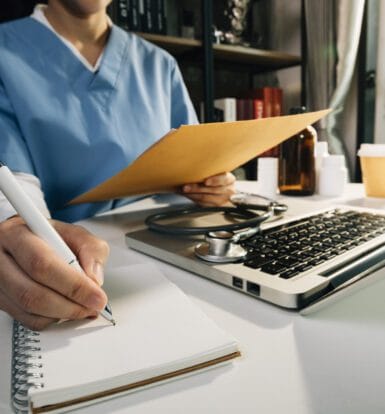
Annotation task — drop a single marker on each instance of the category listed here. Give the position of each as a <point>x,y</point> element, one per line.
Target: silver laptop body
<point>294,293</point>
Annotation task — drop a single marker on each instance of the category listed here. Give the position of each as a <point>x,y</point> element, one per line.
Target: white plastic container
<point>267,177</point>
<point>320,151</point>
<point>333,176</point>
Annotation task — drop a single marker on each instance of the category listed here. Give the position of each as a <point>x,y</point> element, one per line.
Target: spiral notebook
<point>159,336</point>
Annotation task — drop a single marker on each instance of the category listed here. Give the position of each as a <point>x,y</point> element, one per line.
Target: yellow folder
<point>192,153</point>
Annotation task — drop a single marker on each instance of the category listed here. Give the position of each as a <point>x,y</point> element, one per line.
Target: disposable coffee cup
<point>372,159</point>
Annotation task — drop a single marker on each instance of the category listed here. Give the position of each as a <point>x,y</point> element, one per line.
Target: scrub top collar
<point>45,43</point>
<point>39,15</point>
<point>114,58</point>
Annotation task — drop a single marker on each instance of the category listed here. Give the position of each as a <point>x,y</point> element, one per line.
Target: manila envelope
<point>192,153</point>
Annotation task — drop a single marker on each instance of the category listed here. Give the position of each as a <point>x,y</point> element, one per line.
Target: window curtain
<point>379,126</point>
<point>333,31</point>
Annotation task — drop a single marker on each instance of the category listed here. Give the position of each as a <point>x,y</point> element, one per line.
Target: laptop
<point>293,262</point>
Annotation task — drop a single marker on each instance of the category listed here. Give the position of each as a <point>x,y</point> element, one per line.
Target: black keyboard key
<point>258,261</point>
<point>349,245</point>
<point>288,274</point>
<point>303,267</point>
<point>288,261</point>
<point>316,261</point>
<point>298,246</point>
<point>273,268</point>
<point>329,255</point>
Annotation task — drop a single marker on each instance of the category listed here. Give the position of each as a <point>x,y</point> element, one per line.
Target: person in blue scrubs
<point>80,99</point>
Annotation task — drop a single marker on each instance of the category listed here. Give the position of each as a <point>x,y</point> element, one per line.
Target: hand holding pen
<point>37,286</point>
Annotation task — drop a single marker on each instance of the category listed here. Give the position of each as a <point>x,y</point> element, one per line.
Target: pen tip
<point>113,322</point>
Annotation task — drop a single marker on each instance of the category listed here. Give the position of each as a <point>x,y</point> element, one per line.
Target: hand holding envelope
<point>192,153</point>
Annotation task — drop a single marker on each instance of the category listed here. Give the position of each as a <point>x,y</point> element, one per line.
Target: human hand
<point>213,191</point>
<point>37,287</point>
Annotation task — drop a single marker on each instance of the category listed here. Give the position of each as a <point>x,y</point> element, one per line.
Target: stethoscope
<point>222,242</point>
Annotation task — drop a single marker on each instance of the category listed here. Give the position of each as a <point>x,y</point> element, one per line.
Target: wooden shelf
<point>266,59</point>
<point>175,45</point>
<point>261,59</point>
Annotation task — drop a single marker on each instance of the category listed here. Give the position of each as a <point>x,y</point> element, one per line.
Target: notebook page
<point>158,330</point>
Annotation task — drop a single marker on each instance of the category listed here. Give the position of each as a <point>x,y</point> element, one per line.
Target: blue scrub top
<point>73,128</point>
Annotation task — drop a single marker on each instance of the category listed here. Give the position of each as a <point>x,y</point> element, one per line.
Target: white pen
<point>39,224</point>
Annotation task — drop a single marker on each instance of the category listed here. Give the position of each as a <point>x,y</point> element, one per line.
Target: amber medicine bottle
<point>297,162</point>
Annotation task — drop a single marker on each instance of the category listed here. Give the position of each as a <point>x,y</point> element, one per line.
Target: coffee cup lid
<point>371,150</point>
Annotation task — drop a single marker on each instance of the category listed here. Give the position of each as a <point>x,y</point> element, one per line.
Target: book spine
<point>133,15</point>
<point>148,17</point>
<point>228,108</point>
<point>276,101</point>
<point>271,98</point>
<point>158,16</point>
<point>245,111</point>
<point>258,108</point>
<point>142,15</point>
<point>154,16</point>
<point>240,109</point>
<point>122,14</point>
<point>249,108</point>
<point>266,94</point>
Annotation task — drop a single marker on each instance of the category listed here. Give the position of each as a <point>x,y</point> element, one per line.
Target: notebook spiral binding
<point>26,366</point>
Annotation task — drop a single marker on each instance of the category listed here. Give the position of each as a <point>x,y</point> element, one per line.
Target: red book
<point>258,108</point>
<point>240,110</point>
<point>272,97</point>
<point>265,94</point>
<point>245,109</point>
<point>276,101</point>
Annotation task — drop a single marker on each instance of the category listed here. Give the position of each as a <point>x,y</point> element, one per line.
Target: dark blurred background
<point>14,9</point>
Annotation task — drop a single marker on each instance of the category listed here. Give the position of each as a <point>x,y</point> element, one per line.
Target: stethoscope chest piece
<point>219,247</point>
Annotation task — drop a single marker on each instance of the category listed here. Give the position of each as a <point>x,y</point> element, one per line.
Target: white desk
<point>330,362</point>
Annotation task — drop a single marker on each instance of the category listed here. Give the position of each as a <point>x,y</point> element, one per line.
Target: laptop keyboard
<point>296,247</point>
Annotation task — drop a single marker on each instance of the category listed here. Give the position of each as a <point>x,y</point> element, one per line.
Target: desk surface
<point>330,362</point>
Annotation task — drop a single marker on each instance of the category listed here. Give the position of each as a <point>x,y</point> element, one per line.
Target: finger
<point>34,322</point>
<point>201,188</point>
<point>220,180</point>
<point>209,200</point>
<point>41,263</point>
<point>91,251</point>
<point>33,298</point>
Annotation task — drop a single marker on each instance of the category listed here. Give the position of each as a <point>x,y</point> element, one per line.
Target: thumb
<point>91,252</point>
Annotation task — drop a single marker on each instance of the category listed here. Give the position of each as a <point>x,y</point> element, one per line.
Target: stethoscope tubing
<point>251,219</point>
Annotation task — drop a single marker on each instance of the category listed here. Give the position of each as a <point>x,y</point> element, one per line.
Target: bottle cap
<point>333,161</point>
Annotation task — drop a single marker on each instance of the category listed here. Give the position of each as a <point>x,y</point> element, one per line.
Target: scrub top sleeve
<point>13,149</point>
<point>31,186</point>
<point>182,109</point>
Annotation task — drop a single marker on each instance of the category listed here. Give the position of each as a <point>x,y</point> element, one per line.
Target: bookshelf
<point>214,70</point>
<point>201,60</point>
<point>261,59</point>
